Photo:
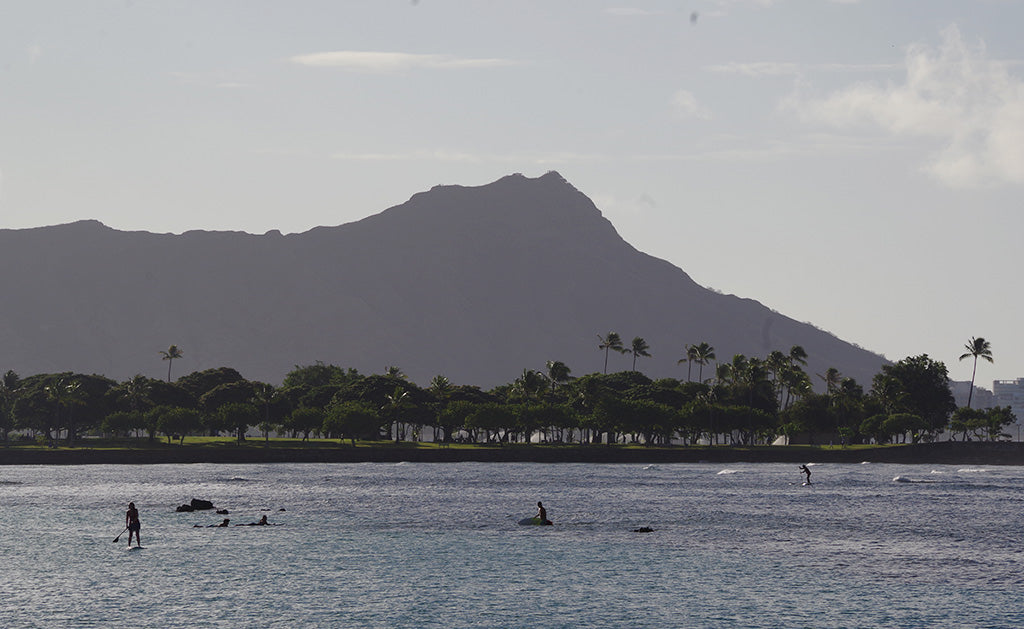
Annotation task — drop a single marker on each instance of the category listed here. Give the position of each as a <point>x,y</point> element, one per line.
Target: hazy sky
<point>856,165</point>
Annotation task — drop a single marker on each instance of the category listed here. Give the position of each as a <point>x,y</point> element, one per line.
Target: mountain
<point>476,283</point>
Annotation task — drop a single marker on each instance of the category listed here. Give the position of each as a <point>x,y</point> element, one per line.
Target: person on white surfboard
<point>131,522</point>
<point>806,470</point>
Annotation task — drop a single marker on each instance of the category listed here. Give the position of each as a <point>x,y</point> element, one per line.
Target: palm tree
<point>172,352</point>
<point>392,371</point>
<point>392,408</point>
<point>832,380</point>
<point>65,393</point>
<point>979,348</point>
<point>639,348</point>
<point>691,355</point>
<point>702,355</point>
<point>611,342</point>
<point>558,373</point>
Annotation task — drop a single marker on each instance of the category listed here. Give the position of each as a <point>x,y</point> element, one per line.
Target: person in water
<point>806,470</point>
<point>542,513</point>
<point>131,522</point>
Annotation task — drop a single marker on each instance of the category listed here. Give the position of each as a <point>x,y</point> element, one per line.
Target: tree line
<point>742,401</point>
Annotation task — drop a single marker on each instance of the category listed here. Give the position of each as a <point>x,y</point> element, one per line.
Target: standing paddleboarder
<point>131,522</point>
<point>806,470</point>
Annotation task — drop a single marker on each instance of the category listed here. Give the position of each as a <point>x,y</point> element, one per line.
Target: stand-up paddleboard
<point>534,521</point>
<point>131,548</point>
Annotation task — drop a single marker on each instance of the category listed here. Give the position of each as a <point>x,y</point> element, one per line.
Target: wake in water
<point>904,479</point>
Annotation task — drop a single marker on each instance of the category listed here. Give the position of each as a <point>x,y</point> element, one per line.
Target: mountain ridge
<point>475,283</point>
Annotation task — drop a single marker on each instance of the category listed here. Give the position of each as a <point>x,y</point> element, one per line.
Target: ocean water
<point>437,545</point>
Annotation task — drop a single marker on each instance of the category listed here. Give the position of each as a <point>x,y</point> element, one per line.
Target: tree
<point>610,342</point>
<point>978,348</point>
<point>702,355</point>
<point>65,393</point>
<point>237,416</point>
<point>557,373</point>
<point>9,384</point>
<point>832,379</point>
<point>639,347</point>
<point>355,420</point>
<point>917,385</point>
<point>176,422</point>
<point>691,357</point>
<point>305,421</point>
<point>394,403</point>
<point>169,355</point>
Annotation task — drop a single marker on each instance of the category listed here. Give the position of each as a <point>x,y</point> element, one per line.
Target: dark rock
<point>185,509</point>
<point>222,511</point>
<point>643,529</point>
<point>201,505</point>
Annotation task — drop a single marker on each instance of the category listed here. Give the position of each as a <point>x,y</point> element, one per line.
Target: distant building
<point>982,398</point>
<point>1010,393</point>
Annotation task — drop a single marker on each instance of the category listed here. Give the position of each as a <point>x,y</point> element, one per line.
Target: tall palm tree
<point>172,352</point>
<point>832,379</point>
<point>978,348</point>
<point>639,348</point>
<point>610,342</point>
<point>702,355</point>
<point>691,355</point>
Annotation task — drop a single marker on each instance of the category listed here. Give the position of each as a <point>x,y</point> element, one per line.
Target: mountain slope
<point>476,283</point>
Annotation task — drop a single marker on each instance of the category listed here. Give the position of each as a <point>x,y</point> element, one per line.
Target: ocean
<point>438,545</point>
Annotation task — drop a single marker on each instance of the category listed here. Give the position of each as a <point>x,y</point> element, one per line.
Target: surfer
<point>131,522</point>
<point>542,513</point>
<point>806,470</point>
<point>262,522</point>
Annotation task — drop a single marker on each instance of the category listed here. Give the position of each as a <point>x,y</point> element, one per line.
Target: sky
<point>858,165</point>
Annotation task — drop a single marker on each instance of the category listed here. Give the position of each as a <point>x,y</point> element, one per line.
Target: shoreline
<point>954,453</point>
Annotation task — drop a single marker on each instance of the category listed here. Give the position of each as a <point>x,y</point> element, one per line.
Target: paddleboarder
<point>131,522</point>
<point>806,470</point>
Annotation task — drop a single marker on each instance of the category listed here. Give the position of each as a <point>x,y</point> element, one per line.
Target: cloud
<point>685,104</point>
<point>953,94</point>
<point>447,155</point>
<point>629,11</point>
<point>377,62</point>
<point>780,68</point>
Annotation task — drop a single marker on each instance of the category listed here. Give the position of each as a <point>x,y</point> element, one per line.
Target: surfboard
<point>534,521</point>
<point>130,548</point>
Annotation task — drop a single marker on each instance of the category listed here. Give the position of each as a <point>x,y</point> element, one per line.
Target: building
<point>1010,393</point>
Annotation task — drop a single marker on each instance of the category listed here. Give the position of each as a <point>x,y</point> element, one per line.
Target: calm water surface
<point>437,545</point>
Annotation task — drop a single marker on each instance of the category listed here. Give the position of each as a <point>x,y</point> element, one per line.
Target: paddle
<point>120,534</point>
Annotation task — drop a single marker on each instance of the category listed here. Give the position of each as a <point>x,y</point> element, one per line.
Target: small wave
<point>865,462</point>
<point>10,482</point>
<point>971,470</point>
<point>650,467</point>
<point>728,472</point>
<point>936,472</point>
<point>904,479</point>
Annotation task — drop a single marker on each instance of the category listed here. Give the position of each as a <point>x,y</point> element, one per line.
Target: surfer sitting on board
<point>806,470</point>
<point>131,522</point>
<point>542,513</point>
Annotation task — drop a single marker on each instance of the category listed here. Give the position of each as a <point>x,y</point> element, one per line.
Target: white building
<point>1010,393</point>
